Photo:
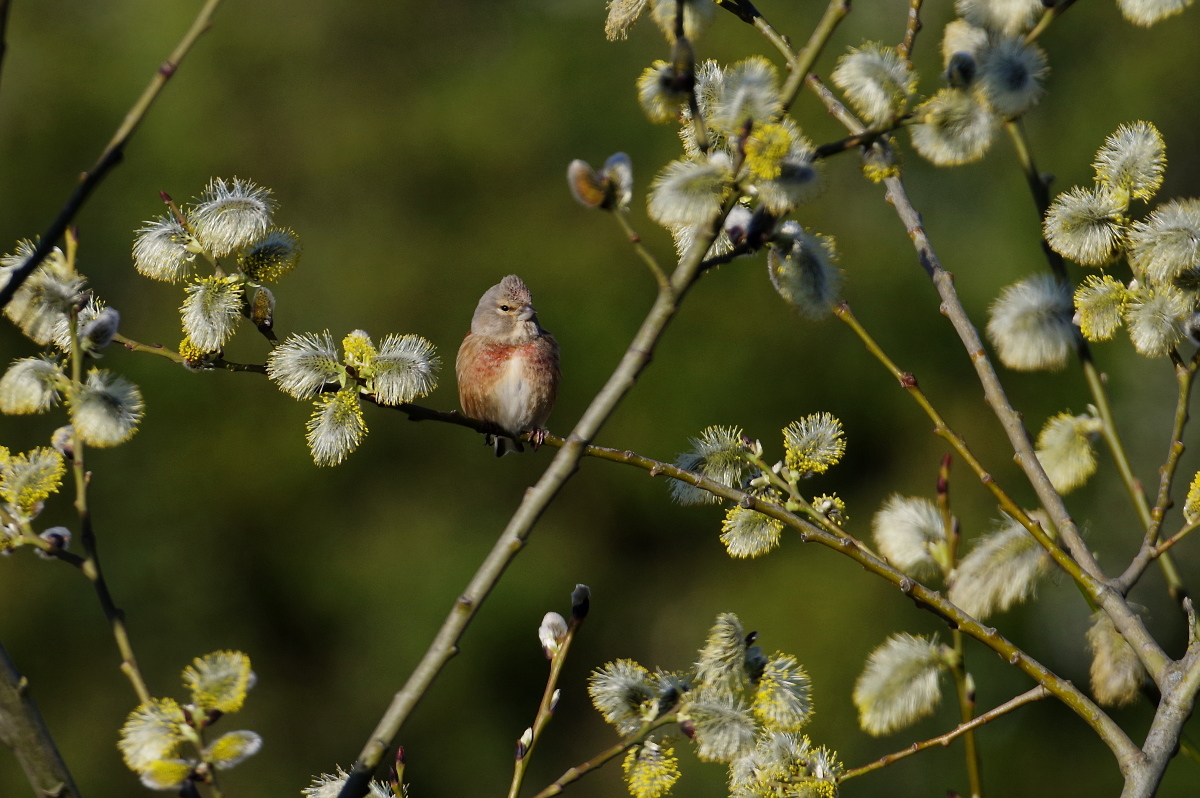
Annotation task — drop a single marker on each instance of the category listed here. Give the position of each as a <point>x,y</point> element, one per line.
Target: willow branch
<point>911,28</point>
<point>579,771</point>
<point>909,383</point>
<point>931,600</point>
<point>1039,189</point>
<point>966,708</point>
<point>535,501</point>
<point>1178,536</point>
<point>545,709</point>
<point>802,63</point>
<point>1174,708</point>
<point>91,561</point>
<point>112,154</point>
<point>445,644</point>
<point>178,359</point>
<point>862,139</point>
<point>746,12</point>
<point>647,257</point>
<point>1036,694</point>
<point>23,730</point>
<point>1096,585</point>
<point>1185,375</point>
<point>1048,16</point>
<point>1109,599</point>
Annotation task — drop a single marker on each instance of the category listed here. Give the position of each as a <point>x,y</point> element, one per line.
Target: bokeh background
<point>419,150</point>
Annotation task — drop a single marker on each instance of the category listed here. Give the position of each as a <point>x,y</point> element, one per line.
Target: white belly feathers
<point>514,404</point>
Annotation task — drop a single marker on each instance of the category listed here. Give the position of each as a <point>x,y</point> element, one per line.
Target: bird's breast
<point>513,386</point>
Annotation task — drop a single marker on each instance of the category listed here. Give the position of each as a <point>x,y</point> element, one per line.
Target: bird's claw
<point>537,437</point>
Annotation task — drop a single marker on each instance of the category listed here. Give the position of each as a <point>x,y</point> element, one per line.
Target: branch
<point>1039,189</point>
<point>746,12</point>
<point>91,562</point>
<point>1110,600</point>
<point>1182,683</point>
<point>1151,549</point>
<point>911,28</point>
<point>513,539</point>
<point>111,155</point>
<point>1049,15</point>
<point>1035,694</point>
<point>579,771</point>
<point>545,708</point>
<point>802,63</point>
<point>535,501</point>
<point>933,601</point>
<point>909,383</point>
<point>24,731</point>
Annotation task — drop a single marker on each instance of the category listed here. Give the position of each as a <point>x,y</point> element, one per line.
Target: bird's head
<point>506,311</point>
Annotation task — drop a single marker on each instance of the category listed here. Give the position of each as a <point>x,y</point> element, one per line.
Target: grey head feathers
<point>506,312</point>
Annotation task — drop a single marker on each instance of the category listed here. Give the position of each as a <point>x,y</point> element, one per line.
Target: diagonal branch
<point>1029,696</point>
<point>23,730</point>
<point>111,156</point>
<point>535,501</point>
<point>1093,580</point>
<point>1124,750</point>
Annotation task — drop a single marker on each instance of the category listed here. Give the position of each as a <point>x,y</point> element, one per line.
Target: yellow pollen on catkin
<point>766,148</point>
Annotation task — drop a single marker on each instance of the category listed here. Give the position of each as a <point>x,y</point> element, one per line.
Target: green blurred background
<point>419,150</point>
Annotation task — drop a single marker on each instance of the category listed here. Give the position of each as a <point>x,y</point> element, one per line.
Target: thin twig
<point>964,685</point>
<point>1185,375</point>
<point>545,710</point>
<point>91,562</point>
<point>909,383</point>
<point>1049,15</point>
<point>1036,694</point>
<point>1038,188</point>
<point>803,62</point>
<point>111,155</point>
<point>579,771</point>
<point>965,693</point>
<point>660,276</point>
<point>1162,547</point>
<point>1097,586</point>
<point>925,598</point>
<point>911,28</point>
<point>153,349</point>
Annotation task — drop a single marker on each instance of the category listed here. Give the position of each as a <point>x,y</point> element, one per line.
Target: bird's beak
<point>527,313</point>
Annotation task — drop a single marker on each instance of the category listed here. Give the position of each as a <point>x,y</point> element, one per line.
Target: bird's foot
<point>537,437</point>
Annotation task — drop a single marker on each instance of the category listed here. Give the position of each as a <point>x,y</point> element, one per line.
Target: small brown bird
<point>507,366</point>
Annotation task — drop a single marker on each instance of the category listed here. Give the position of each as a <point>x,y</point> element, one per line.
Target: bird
<point>507,367</point>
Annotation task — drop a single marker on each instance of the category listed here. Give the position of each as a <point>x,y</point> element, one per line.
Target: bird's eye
<point>505,308</point>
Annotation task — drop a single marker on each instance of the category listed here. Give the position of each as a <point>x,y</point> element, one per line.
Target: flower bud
<point>524,743</point>
<point>588,188</point>
<point>98,333</point>
<point>552,633</point>
<point>581,598</point>
<point>262,309</point>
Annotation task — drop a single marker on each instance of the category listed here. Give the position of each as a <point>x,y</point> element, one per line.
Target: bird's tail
<point>505,445</point>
